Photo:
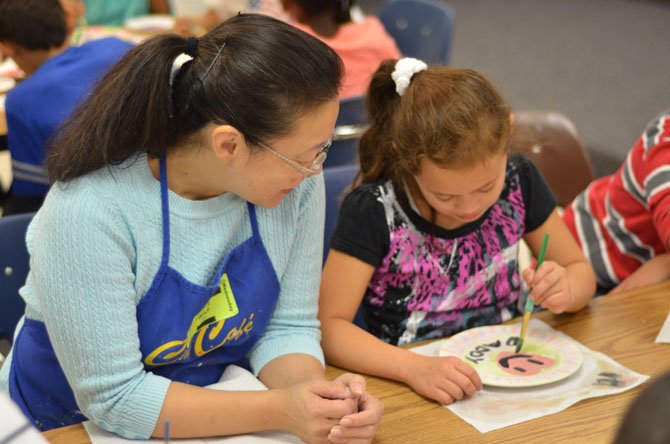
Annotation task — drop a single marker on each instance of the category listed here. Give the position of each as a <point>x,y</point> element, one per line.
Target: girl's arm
<point>565,281</point>
<point>343,285</point>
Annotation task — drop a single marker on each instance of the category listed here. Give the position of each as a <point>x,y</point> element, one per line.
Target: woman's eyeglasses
<point>314,167</point>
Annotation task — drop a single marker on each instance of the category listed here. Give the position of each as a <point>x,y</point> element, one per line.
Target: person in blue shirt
<point>34,33</point>
<point>184,233</point>
<point>117,12</point>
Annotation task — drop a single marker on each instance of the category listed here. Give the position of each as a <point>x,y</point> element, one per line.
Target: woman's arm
<point>295,246</point>
<point>565,281</point>
<point>343,285</point>
<point>83,283</point>
<point>305,410</point>
<point>290,369</point>
<point>290,352</point>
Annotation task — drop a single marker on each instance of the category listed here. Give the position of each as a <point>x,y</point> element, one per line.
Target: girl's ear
<point>512,118</point>
<point>227,142</point>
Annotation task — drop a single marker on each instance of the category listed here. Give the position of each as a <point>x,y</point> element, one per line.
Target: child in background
<point>216,11</point>
<point>622,221</point>
<point>429,242</point>
<point>362,45</point>
<point>116,12</point>
<point>34,33</point>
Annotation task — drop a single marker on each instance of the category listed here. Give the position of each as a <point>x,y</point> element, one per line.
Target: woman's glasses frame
<point>315,166</point>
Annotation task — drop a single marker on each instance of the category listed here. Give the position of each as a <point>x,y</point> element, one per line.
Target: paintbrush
<point>166,432</point>
<point>528,309</point>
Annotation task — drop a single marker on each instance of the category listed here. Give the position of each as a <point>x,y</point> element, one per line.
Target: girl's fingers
<point>541,273</point>
<point>470,373</point>
<point>453,389</point>
<point>443,397</point>
<point>546,287</point>
<point>464,383</point>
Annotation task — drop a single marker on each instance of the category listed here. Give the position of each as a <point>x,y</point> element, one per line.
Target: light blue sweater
<point>95,247</point>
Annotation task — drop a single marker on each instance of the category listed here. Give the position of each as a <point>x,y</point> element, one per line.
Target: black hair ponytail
<point>252,72</point>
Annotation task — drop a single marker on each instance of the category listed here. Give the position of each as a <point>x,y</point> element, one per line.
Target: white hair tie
<point>178,62</point>
<point>403,72</point>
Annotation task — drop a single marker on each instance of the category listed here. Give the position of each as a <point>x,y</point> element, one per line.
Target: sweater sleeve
<point>294,327</point>
<point>84,255</point>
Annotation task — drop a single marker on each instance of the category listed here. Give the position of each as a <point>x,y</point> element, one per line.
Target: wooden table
<point>623,327</point>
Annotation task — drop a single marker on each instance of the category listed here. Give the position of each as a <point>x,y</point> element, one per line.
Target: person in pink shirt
<point>362,44</point>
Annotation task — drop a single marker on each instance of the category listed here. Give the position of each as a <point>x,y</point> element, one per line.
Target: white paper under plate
<point>496,407</point>
<point>664,334</point>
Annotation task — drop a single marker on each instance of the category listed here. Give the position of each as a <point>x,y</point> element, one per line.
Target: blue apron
<point>188,332</point>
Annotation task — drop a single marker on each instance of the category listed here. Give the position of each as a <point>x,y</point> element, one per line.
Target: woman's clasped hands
<point>338,411</point>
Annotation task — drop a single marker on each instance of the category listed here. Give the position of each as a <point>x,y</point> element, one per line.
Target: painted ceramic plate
<point>546,356</point>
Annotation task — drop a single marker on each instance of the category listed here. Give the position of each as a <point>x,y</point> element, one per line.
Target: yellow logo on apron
<point>218,308</point>
<point>221,306</point>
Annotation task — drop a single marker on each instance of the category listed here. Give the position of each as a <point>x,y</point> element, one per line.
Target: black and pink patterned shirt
<point>431,282</point>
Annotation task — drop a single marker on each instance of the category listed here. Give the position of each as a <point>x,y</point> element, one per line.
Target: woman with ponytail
<point>362,44</point>
<point>429,242</point>
<point>182,234</point>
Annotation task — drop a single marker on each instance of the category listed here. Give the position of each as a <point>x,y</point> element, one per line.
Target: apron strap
<point>165,212</point>
<point>254,222</point>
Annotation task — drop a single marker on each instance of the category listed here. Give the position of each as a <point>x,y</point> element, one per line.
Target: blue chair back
<point>14,265</point>
<point>422,29</point>
<point>351,123</point>
<point>337,181</point>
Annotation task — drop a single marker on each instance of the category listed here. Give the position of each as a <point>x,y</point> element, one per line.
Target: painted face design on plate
<point>523,364</point>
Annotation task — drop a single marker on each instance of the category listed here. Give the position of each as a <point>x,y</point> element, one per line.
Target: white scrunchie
<point>178,62</point>
<point>403,72</point>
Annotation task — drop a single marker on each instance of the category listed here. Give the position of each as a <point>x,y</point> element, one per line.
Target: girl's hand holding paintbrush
<point>567,287</point>
<point>550,287</point>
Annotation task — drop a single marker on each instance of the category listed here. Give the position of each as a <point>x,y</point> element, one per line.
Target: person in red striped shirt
<point>622,221</point>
